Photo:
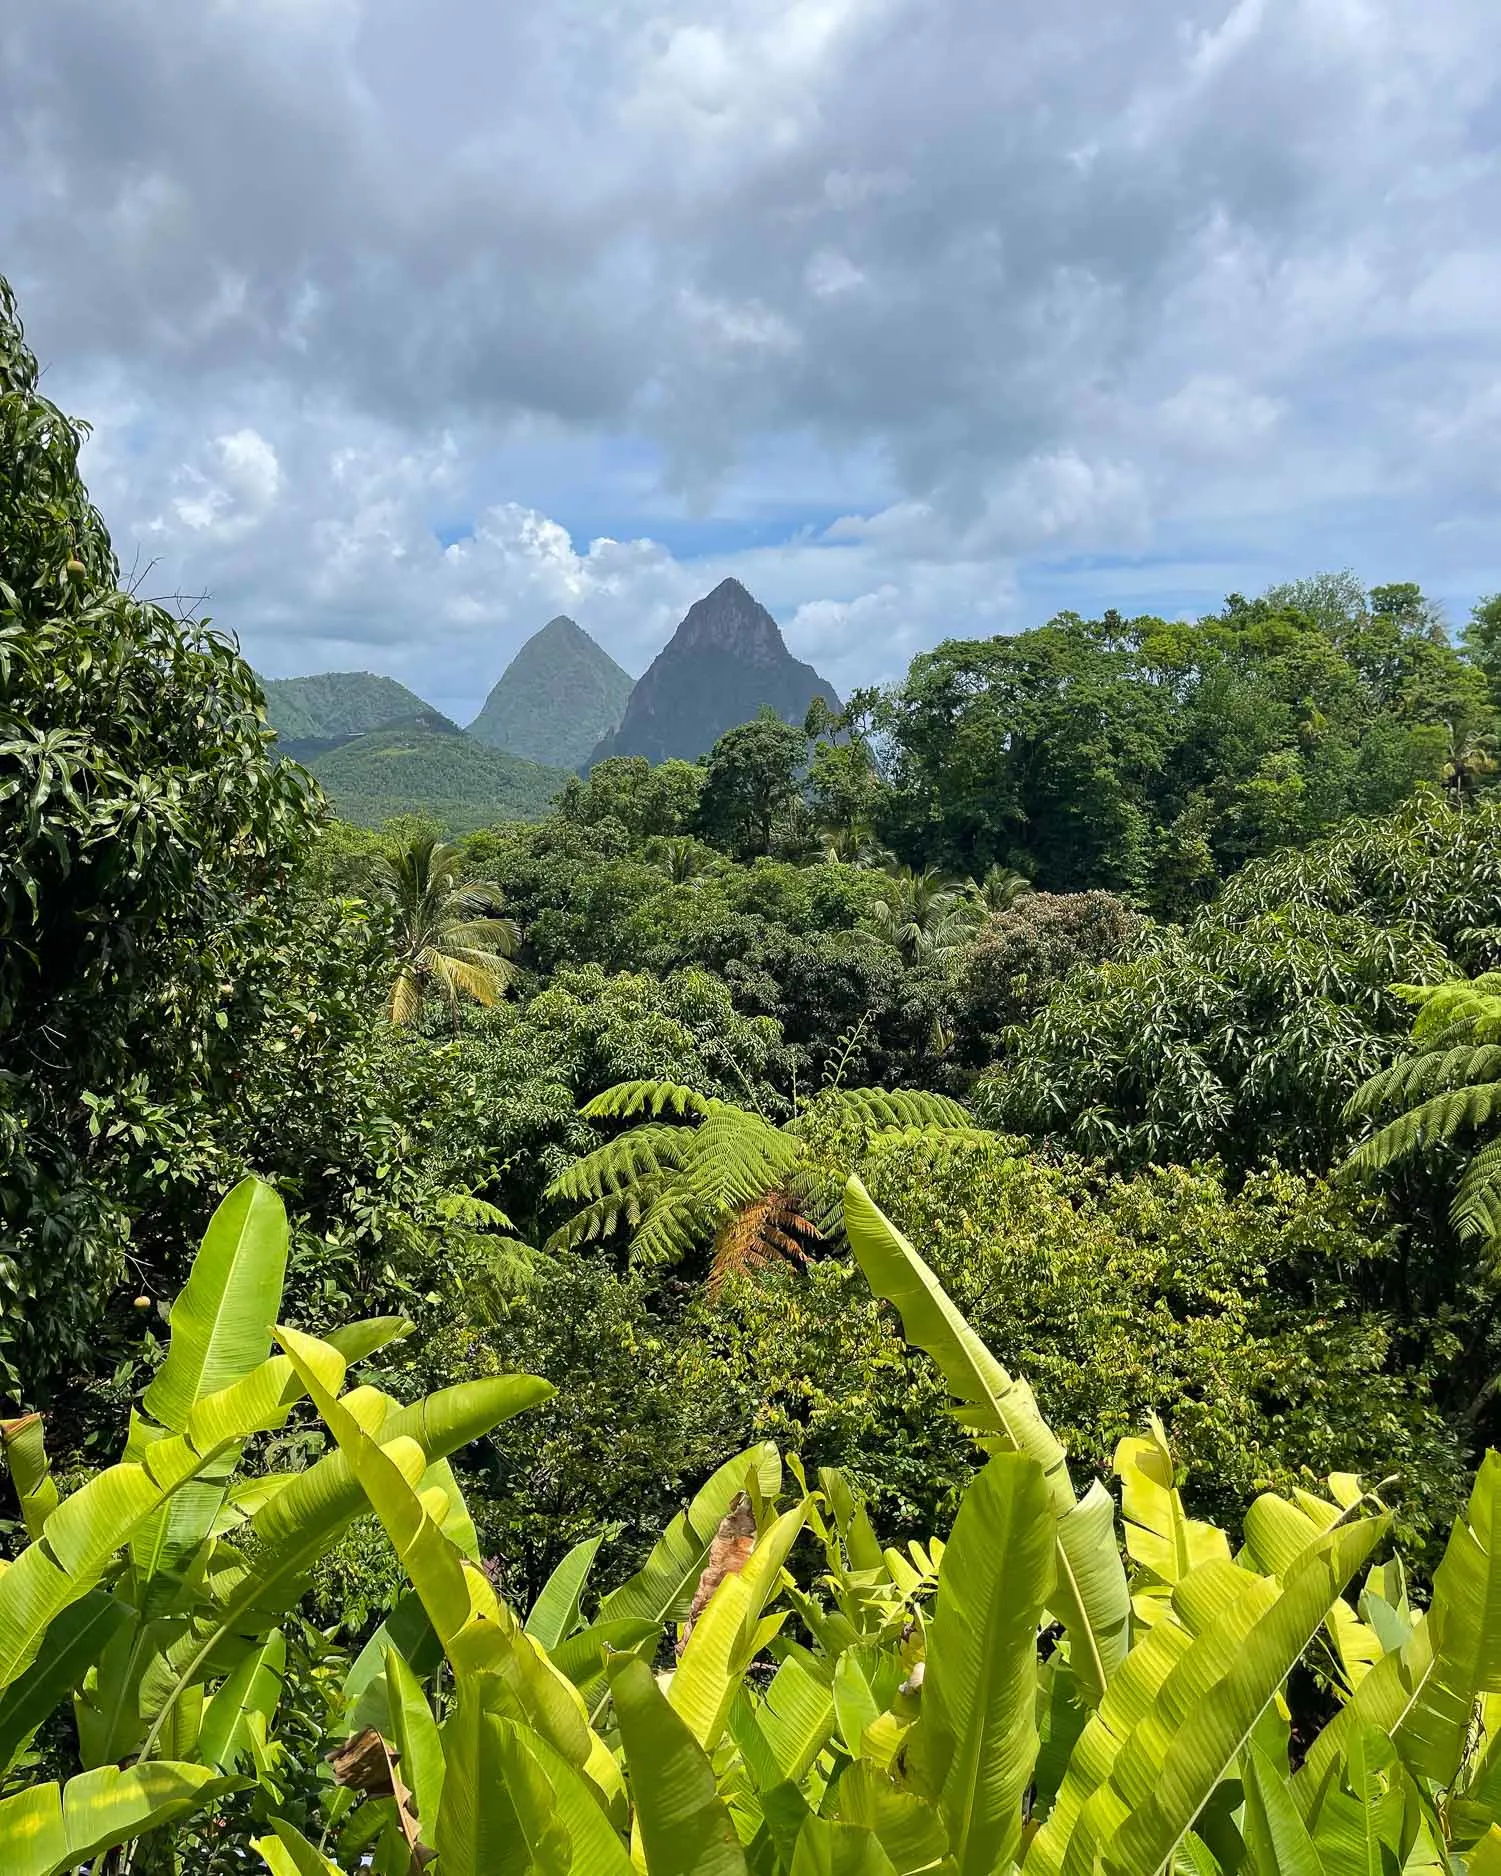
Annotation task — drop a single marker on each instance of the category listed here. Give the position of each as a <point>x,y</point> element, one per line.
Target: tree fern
<point>628,1098</point>
<point>721,1177</point>
<point>1449,1088</point>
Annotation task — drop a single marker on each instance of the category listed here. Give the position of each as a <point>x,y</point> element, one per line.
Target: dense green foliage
<point>1157,758</point>
<point>556,699</point>
<point>910,1713</point>
<point>1091,954</point>
<point>146,835</point>
<point>459,782</point>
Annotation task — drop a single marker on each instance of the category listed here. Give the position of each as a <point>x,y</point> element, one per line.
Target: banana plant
<point>154,1597</point>
<point>970,1708</point>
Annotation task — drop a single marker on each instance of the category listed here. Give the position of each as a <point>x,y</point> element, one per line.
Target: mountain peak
<point>726,661</point>
<point>733,620</point>
<point>556,698</point>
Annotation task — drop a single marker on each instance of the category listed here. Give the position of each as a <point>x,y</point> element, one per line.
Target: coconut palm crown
<point>450,934</point>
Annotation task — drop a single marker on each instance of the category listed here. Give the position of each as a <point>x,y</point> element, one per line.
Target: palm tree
<point>681,858</point>
<point>1468,754</point>
<point>450,935</point>
<point>854,843</point>
<point>1000,889</point>
<point>924,915</point>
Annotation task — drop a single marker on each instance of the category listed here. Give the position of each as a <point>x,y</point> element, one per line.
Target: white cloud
<point>423,323</point>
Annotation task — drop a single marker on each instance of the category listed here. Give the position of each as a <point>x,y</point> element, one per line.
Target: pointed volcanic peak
<point>557,697</point>
<point>726,662</point>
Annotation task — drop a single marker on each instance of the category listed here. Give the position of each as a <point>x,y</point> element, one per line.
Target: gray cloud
<point>1209,287</point>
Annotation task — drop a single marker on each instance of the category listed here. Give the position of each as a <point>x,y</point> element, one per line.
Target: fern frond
<point>513,1268</point>
<point>900,1107</point>
<point>464,1208</point>
<point>1475,1211</point>
<point>736,1158</point>
<point>629,1098</point>
<point>607,1213</point>
<point>1422,1076</point>
<point>652,1148</point>
<point>673,1226</point>
<point>770,1230</point>
<point>1475,1002</point>
<point>1432,1122</point>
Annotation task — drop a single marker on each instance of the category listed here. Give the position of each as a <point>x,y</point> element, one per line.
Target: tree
<point>1019,957</point>
<point>718,1174</point>
<point>1244,1034</point>
<point>999,890</point>
<point>147,837</point>
<point>1333,602</point>
<point>1470,754</point>
<point>448,934</point>
<point>924,915</point>
<point>1447,1087</point>
<point>1482,641</point>
<point>646,799</point>
<point>752,780</point>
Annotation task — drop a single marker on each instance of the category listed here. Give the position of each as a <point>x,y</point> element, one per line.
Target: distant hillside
<point>726,660</point>
<point>556,698</point>
<point>336,703</point>
<point>419,768</point>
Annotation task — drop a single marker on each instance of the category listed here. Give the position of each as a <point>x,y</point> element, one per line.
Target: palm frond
<point>405,1002</point>
<point>502,935</point>
<point>474,980</point>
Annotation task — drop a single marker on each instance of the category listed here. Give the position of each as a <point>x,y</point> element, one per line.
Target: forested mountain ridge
<point>556,699</point>
<point>337,703</point>
<point>725,663</point>
<point>431,767</point>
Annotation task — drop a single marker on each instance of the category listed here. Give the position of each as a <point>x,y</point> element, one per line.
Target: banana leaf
<point>1090,1594</point>
<point>50,1828</point>
<point>975,1744</point>
<point>684,1825</point>
<point>662,1590</point>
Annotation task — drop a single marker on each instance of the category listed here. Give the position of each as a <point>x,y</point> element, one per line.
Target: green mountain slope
<point>336,703</point>
<point>556,698</point>
<point>419,769</point>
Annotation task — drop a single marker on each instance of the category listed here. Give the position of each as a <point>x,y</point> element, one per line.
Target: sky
<point>404,325</point>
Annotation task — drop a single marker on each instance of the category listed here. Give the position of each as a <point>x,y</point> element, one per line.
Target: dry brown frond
<point>769,1230</point>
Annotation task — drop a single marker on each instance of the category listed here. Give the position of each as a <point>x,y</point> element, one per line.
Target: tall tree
<point>752,780</point>
<point>147,834</point>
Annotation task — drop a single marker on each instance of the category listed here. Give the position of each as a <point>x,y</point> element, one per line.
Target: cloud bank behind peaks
<point>406,326</point>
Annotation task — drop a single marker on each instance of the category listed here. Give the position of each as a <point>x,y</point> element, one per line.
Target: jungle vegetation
<point>598,1217</point>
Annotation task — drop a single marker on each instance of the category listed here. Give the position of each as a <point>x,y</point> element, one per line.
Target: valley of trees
<point>922,1294</point>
